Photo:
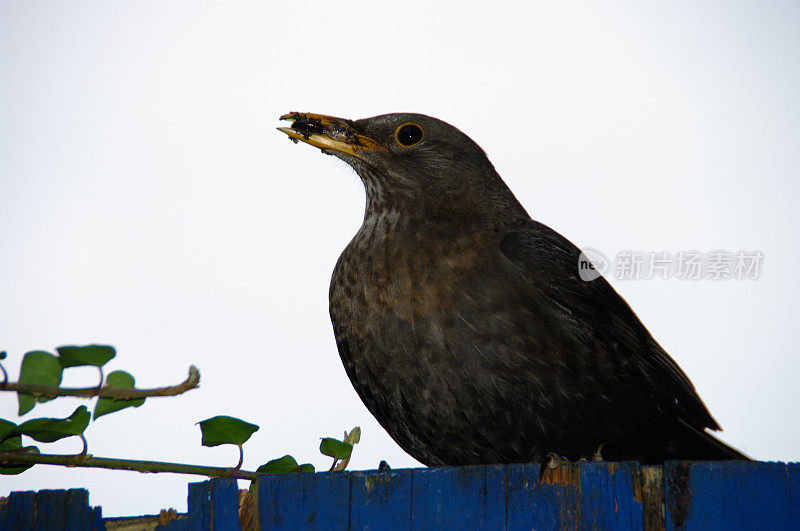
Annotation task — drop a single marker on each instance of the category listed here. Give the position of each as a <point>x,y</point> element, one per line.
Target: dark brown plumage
<point>465,327</point>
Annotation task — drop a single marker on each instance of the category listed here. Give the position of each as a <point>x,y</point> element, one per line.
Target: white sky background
<point>147,201</point>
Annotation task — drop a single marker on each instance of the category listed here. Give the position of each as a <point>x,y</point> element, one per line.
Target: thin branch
<point>191,382</point>
<point>16,458</point>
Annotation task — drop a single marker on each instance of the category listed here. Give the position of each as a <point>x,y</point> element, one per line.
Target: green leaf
<point>13,442</point>
<point>283,465</point>
<point>335,448</point>
<point>226,430</point>
<point>49,430</point>
<point>9,441</point>
<point>122,380</point>
<point>96,355</point>
<point>38,368</point>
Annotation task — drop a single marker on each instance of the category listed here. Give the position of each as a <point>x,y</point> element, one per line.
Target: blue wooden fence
<point>679,495</point>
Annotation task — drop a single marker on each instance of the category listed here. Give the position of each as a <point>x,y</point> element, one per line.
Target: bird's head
<point>409,161</point>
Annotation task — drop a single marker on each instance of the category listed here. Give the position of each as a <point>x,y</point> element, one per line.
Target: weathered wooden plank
<point>20,513</point>
<point>610,496</point>
<point>213,505</point>
<point>77,514</point>
<point>652,492</point>
<point>549,504</point>
<point>469,497</point>
<point>224,504</point>
<point>705,495</point>
<point>304,501</point>
<point>98,524</point>
<point>45,505</point>
<point>199,505</point>
<point>380,500</point>
<point>51,509</point>
<point>732,495</point>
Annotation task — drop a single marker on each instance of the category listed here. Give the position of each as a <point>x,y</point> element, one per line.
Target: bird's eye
<point>409,134</point>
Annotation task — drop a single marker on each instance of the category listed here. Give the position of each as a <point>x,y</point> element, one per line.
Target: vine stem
<point>85,446</point>
<point>16,458</point>
<point>241,457</point>
<point>192,382</point>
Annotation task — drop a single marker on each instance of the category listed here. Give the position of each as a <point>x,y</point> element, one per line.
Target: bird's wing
<point>550,263</point>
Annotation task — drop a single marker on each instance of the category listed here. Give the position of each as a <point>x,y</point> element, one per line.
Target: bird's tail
<point>690,444</point>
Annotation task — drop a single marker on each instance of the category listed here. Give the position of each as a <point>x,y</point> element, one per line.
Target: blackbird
<point>466,327</point>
